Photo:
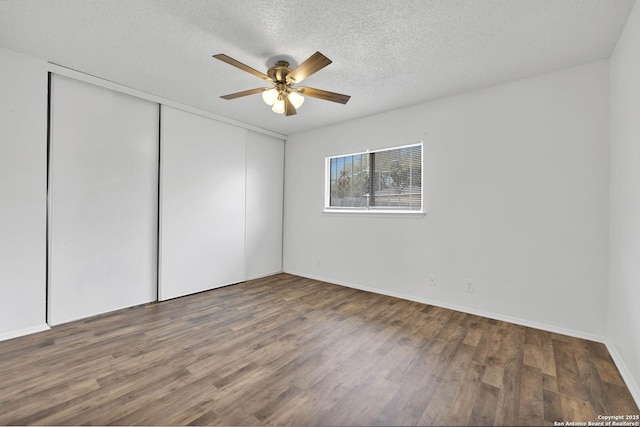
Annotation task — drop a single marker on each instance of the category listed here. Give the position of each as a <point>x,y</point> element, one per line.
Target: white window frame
<point>378,210</point>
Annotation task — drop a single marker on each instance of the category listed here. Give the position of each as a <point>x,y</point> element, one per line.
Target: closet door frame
<point>60,71</point>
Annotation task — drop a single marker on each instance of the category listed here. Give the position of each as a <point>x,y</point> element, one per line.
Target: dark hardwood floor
<point>287,350</point>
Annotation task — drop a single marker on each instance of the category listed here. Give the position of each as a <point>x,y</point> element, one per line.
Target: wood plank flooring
<point>286,350</point>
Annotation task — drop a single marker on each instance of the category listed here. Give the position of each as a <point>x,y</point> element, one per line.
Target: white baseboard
<point>262,276</point>
<point>501,317</point>
<point>632,385</point>
<point>22,332</point>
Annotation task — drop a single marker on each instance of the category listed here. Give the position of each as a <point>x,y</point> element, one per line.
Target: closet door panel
<point>202,204</point>
<point>265,169</point>
<point>103,200</point>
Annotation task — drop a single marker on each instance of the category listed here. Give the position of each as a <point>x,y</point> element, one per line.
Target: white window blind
<point>389,179</point>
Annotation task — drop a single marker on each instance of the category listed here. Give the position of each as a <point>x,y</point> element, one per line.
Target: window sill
<point>376,213</point>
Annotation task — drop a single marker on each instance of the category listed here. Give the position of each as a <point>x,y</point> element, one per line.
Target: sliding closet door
<point>265,175</point>
<point>202,207</point>
<point>103,200</point>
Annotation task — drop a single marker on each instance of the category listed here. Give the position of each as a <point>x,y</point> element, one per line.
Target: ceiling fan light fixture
<point>296,99</point>
<point>270,96</point>
<point>278,105</point>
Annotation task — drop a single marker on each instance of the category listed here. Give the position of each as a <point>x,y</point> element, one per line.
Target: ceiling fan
<point>283,96</point>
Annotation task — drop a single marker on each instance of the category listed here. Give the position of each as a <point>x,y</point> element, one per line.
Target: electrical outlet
<point>470,285</point>
<point>318,262</point>
<point>432,279</point>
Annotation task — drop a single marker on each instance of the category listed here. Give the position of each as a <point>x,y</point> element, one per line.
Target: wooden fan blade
<point>289,109</point>
<point>224,58</point>
<point>315,62</point>
<point>323,94</point>
<point>245,93</point>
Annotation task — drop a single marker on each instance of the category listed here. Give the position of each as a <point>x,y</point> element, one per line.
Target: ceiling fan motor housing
<point>279,72</point>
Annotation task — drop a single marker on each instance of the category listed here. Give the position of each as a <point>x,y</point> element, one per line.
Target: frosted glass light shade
<point>278,106</point>
<point>270,96</point>
<point>296,99</point>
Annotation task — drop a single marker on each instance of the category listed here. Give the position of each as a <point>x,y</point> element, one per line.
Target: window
<point>384,180</point>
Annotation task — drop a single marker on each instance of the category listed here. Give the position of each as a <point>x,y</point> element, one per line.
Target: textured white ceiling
<point>386,54</point>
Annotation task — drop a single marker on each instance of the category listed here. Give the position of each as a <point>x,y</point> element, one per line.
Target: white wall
<point>516,185</point>
<point>23,187</point>
<point>624,277</point>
